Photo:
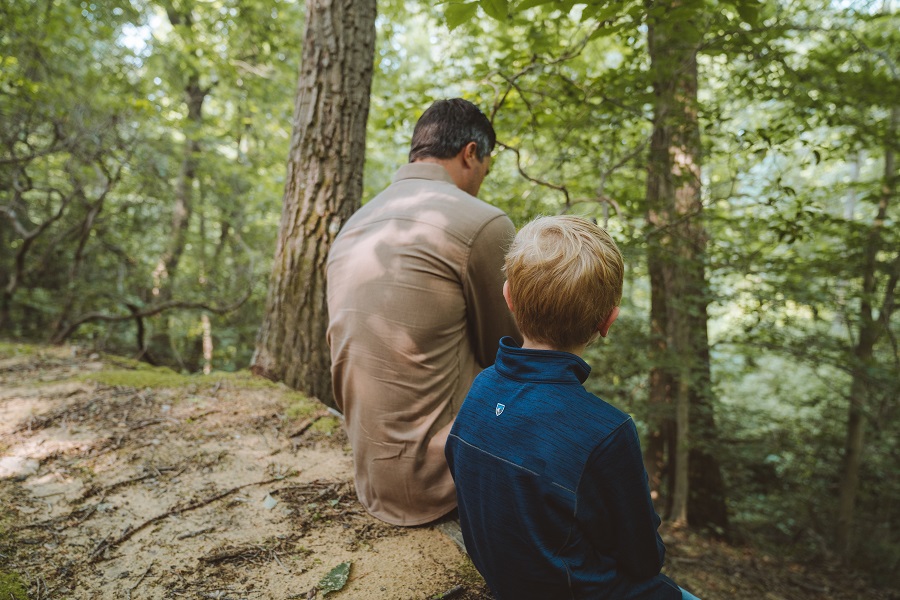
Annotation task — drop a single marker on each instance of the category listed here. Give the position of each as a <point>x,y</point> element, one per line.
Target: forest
<point>172,173</point>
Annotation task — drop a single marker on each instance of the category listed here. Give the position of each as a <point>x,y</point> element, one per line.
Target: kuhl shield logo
<point>500,408</point>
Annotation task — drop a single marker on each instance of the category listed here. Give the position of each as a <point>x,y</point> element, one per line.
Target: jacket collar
<point>423,170</point>
<point>548,366</point>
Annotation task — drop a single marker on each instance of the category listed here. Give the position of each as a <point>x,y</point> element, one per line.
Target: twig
<point>99,547</point>
<point>685,559</point>
<point>51,495</point>
<point>87,514</point>
<point>196,418</point>
<point>191,534</point>
<point>103,546</point>
<point>145,423</point>
<point>114,486</point>
<point>278,560</point>
<point>304,427</point>
<point>229,555</point>
<point>809,586</point>
<point>451,593</point>
<point>150,566</point>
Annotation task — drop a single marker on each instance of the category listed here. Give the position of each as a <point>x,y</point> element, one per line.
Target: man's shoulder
<point>437,192</point>
<point>436,203</point>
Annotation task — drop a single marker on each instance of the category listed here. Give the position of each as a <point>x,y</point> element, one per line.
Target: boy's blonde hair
<point>565,278</point>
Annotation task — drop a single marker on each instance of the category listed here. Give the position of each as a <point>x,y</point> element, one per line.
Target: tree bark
<point>676,258</point>
<point>323,189</point>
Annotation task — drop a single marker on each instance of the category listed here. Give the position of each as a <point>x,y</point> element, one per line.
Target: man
<point>416,310</point>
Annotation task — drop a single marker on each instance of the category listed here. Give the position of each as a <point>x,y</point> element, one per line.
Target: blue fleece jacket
<point>552,491</point>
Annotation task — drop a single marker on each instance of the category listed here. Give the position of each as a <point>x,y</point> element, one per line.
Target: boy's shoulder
<point>601,416</point>
<point>561,404</point>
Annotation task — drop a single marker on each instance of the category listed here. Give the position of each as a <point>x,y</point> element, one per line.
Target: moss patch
<point>156,377</point>
<point>326,425</point>
<point>11,586</point>
<point>300,407</point>
<point>248,381</point>
<point>132,373</point>
<point>12,350</point>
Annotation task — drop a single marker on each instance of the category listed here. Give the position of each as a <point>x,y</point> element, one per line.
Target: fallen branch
<point>104,545</point>
<point>63,335</point>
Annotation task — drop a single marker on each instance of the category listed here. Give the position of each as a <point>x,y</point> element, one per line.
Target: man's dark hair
<point>447,126</point>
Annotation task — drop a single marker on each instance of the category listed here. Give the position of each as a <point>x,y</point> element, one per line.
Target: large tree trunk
<point>870,329</point>
<point>676,262</point>
<point>323,189</point>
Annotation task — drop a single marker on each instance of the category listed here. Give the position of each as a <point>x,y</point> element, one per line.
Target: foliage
<point>95,127</point>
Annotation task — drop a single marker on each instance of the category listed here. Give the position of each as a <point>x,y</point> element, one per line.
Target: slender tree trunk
<point>707,506</point>
<point>161,348</point>
<point>660,415</point>
<point>323,189</point>
<point>69,301</point>
<point>677,252</point>
<point>195,95</point>
<point>870,330</point>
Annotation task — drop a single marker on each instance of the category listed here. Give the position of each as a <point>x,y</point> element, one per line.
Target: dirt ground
<point>122,481</point>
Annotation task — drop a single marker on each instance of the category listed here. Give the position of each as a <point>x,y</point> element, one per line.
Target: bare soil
<point>117,481</point>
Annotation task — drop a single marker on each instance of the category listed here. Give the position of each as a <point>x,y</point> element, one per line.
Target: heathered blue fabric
<point>552,491</point>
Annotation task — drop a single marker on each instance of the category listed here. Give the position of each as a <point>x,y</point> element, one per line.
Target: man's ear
<point>507,297</point>
<point>470,154</point>
<point>603,328</point>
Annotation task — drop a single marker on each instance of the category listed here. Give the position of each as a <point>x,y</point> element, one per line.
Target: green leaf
<point>601,12</point>
<point>526,4</point>
<point>336,579</point>
<point>497,9</point>
<point>748,11</point>
<point>458,13</point>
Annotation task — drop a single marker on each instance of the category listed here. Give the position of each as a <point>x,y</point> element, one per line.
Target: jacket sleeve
<point>487,317</point>
<point>615,505</point>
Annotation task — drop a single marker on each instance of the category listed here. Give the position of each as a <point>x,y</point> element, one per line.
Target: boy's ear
<point>605,325</point>
<point>507,297</point>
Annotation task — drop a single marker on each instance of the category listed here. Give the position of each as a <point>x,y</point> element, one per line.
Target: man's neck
<point>451,165</point>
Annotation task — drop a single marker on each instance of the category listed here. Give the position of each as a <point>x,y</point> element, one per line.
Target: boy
<point>552,491</point>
